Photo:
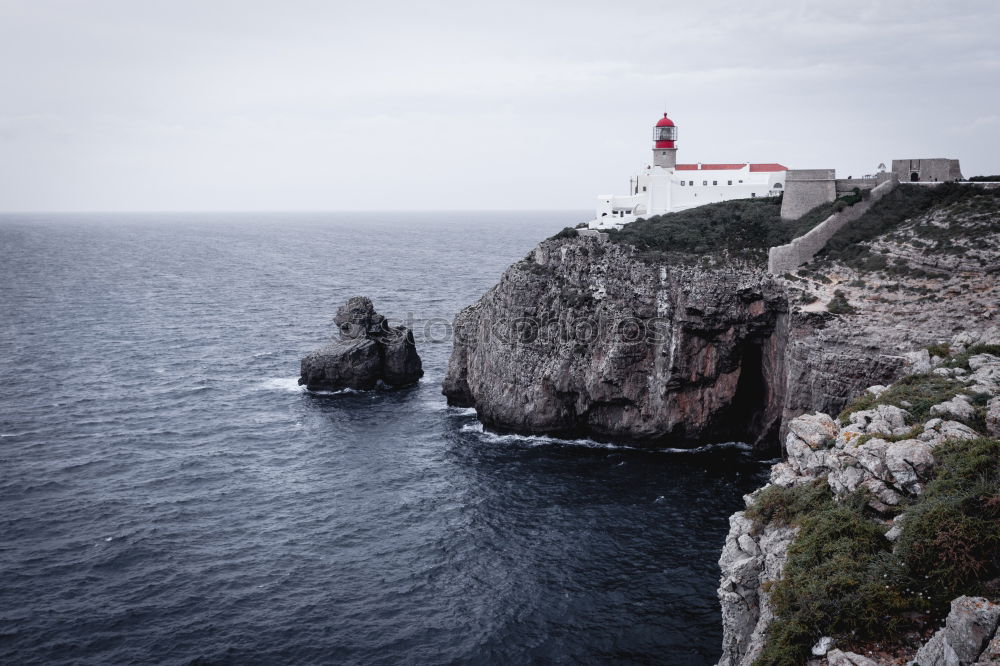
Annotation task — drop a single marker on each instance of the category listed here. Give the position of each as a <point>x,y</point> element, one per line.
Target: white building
<point>666,187</point>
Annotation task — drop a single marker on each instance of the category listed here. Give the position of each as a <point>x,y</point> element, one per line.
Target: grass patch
<point>894,209</point>
<point>914,393</point>
<point>962,360</point>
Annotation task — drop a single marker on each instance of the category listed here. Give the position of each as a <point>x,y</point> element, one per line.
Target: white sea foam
<point>290,384</point>
<point>542,440</point>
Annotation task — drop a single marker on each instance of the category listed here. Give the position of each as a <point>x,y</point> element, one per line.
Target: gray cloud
<point>121,105</point>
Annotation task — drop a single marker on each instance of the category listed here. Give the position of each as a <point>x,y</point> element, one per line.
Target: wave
<point>290,384</point>
<point>478,429</point>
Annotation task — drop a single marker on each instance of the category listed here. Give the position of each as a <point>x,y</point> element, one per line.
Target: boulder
<point>958,407</point>
<point>369,352</point>
<point>838,658</point>
<point>993,417</point>
<point>968,633</point>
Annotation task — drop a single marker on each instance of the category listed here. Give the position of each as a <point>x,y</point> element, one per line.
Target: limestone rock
<point>817,431</point>
<point>838,658</point>
<point>939,430</point>
<point>969,630</point>
<point>993,416</point>
<point>822,646</point>
<point>958,407</point>
<point>589,338</point>
<point>368,352</point>
<point>881,420</point>
<point>748,561</point>
<point>919,361</point>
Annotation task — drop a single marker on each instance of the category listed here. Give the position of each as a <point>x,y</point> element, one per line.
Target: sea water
<point>169,494</point>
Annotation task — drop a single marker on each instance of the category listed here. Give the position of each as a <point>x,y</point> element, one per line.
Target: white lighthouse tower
<point>666,186</point>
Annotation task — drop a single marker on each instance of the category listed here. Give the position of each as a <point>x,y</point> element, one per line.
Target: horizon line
<point>287,211</point>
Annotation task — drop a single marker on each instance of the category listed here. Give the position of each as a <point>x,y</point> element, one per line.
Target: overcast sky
<point>330,105</point>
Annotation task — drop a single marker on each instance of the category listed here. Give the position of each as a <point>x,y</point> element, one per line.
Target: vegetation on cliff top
<point>843,578</point>
<point>743,228</point>
<point>903,204</point>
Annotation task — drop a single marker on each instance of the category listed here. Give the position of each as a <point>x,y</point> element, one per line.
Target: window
<point>729,182</point>
<point>682,183</point>
<point>741,181</point>
<point>643,188</point>
<point>777,186</point>
<point>753,194</point>
<point>665,134</point>
<point>715,182</point>
<point>704,182</point>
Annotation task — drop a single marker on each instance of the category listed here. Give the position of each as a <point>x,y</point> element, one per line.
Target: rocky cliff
<point>611,339</point>
<point>585,337</point>
<point>883,514</point>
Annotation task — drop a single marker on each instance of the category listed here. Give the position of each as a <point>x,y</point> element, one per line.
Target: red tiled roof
<point>731,167</point>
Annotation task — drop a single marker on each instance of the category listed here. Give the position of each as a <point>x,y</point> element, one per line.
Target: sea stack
<point>369,352</point>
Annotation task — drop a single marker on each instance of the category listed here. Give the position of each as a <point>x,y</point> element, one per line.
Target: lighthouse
<point>666,186</point>
<point>665,143</point>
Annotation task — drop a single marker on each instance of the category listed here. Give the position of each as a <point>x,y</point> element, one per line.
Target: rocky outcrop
<point>587,338</point>
<point>880,450</point>
<point>968,637</point>
<point>749,562</point>
<point>368,353</point>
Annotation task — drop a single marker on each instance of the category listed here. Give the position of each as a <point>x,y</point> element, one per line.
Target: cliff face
<point>587,338</point>
<point>890,455</point>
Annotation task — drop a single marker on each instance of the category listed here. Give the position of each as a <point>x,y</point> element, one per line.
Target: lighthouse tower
<point>665,143</point>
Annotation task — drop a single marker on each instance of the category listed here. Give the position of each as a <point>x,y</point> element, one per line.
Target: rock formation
<point>592,337</point>
<point>586,338</point>
<point>369,352</point>
<point>882,452</point>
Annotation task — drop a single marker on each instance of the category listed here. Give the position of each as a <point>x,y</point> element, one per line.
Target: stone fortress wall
<point>805,189</point>
<point>938,169</point>
<point>786,258</point>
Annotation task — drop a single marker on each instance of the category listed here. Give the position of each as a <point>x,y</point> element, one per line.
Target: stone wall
<point>805,189</point>
<point>937,169</point>
<point>846,185</point>
<point>786,258</point>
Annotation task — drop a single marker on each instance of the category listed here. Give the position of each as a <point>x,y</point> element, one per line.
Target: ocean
<point>168,494</point>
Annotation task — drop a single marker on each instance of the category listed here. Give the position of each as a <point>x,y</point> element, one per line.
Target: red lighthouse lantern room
<point>665,133</point>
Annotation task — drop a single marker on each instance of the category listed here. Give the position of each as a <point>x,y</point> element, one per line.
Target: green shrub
<point>743,227</point>
<point>567,232</point>
<point>962,360</point>
<point>894,209</point>
<point>839,305</point>
<point>950,542</point>
<point>941,349</point>
<point>919,392</point>
<point>844,579</point>
<point>840,579</point>
<point>785,506</point>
